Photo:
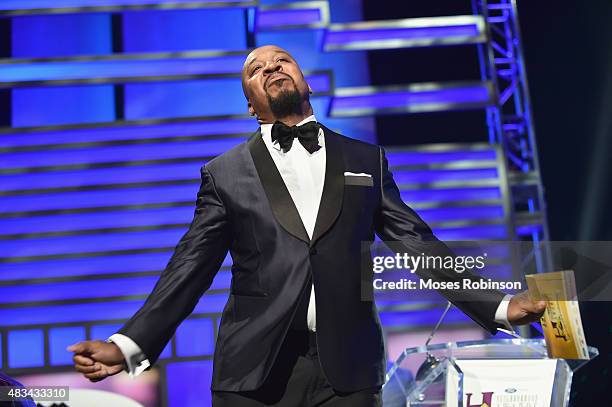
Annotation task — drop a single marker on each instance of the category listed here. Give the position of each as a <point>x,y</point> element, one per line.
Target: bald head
<point>274,84</point>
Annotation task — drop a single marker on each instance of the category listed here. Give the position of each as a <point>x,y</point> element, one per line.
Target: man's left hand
<point>523,309</point>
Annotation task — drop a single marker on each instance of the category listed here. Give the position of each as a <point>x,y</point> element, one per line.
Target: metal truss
<point>511,126</point>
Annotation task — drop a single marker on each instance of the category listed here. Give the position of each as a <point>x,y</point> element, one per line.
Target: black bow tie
<point>307,134</point>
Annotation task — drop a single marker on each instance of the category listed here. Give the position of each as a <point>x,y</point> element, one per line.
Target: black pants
<point>297,380</point>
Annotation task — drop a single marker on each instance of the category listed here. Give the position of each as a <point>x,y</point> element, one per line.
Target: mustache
<point>275,76</point>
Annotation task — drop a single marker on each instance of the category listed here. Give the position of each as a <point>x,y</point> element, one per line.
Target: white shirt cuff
<point>135,359</point>
<point>501,314</point>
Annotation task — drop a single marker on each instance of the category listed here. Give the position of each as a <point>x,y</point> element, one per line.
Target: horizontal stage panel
<point>90,289</point>
<point>193,98</point>
<point>190,172</point>
<point>429,176</point>
<point>445,154</point>
<point>479,232</point>
<point>121,68</point>
<point>99,220</point>
<point>432,215</point>
<point>90,266</point>
<point>404,33</point>
<point>167,194</point>
<point>186,194</point>
<point>62,105</point>
<point>167,239</point>
<point>527,230</point>
<point>184,30</point>
<point>298,15</point>
<point>456,188</point>
<point>79,222</point>
<point>415,98</point>
<point>29,7</point>
<point>99,243</point>
<point>102,176</point>
<point>103,265</point>
<point>118,154</point>
<point>121,131</point>
<point>96,311</point>
<point>15,72</point>
<point>450,194</point>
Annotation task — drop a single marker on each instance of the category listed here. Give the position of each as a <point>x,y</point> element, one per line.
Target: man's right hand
<point>97,359</point>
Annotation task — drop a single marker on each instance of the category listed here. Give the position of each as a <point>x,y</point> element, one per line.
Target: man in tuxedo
<point>292,205</point>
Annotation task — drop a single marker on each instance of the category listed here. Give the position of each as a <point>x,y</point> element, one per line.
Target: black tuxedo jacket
<point>243,206</point>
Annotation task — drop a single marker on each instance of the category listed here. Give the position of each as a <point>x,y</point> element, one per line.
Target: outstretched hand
<point>97,359</point>
<point>523,309</point>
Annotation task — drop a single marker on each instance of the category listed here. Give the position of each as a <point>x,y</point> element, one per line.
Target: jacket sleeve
<point>404,231</point>
<point>189,273</point>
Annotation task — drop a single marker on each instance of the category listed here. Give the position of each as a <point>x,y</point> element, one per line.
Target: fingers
<point>540,306</point>
<point>97,375</point>
<point>523,309</point>
<point>531,305</point>
<point>81,347</point>
<point>76,348</point>
<point>535,307</point>
<point>82,360</point>
<point>102,372</point>
<point>534,311</point>
<point>84,363</point>
<point>87,369</point>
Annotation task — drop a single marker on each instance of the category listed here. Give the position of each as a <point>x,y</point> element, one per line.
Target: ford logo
<point>510,390</point>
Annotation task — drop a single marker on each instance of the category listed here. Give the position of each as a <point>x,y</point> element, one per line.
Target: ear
<point>250,107</point>
<point>309,89</point>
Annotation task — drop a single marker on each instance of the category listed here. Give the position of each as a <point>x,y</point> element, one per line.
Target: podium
<point>492,373</point>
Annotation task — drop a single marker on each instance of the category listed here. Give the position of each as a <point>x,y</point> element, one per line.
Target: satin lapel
<point>278,195</point>
<point>333,189</point>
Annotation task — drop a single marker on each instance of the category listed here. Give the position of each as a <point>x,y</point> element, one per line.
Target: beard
<point>286,103</point>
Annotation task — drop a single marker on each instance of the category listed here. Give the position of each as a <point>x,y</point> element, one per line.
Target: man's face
<point>273,83</point>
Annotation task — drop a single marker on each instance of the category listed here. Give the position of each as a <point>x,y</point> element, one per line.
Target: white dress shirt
<point>304,176</point>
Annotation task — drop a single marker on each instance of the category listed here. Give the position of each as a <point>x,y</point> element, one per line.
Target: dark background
<point>568,53</point>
